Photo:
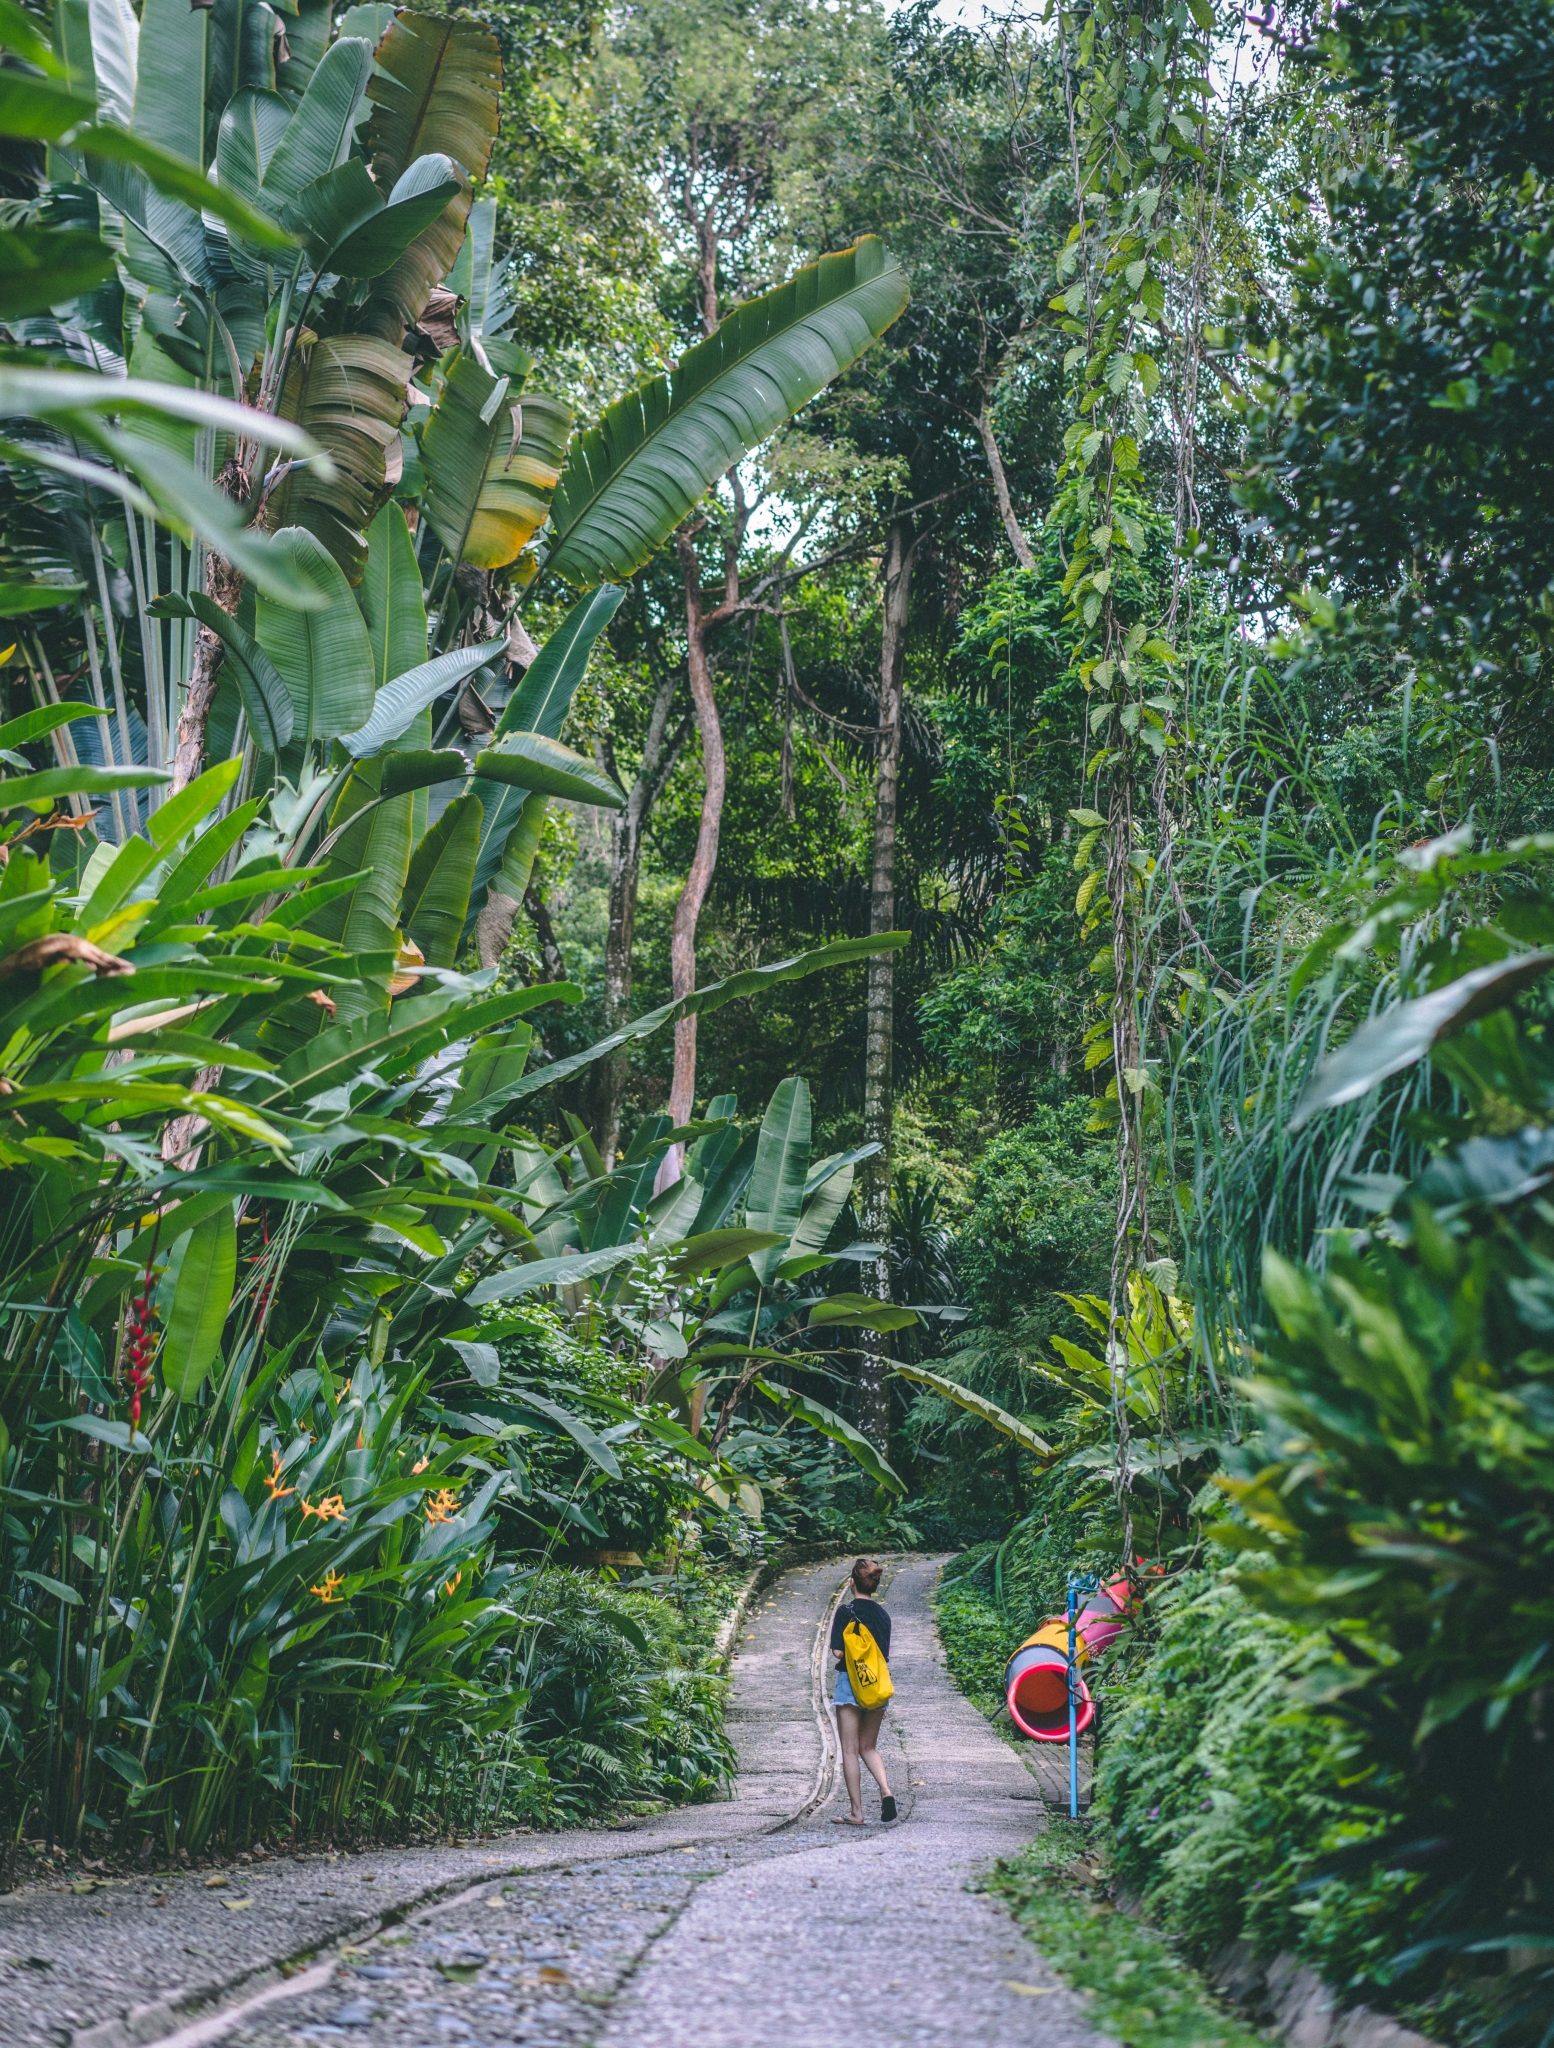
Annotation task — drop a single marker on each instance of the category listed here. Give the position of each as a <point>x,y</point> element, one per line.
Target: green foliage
<point>630,481</point>
<point>977,1635</point>
<point>1137,1989</point>
<point>1220,1800</point>
<point>624,1703</point>
<point>1402,1493</point>
<point>1040,1220</point>
<point>1220,1797</point>
<point>1447,228</point>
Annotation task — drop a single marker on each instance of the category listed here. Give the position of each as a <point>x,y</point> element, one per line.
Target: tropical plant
<point>1399,1487</point>
<point>249,1202</point>
<point>712,1307</point>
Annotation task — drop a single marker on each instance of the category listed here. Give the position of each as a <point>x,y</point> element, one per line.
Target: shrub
<point>1221,1798</point>
<point>622,1702</point>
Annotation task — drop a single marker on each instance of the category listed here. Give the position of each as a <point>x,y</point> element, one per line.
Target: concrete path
<point>751,1923</point>
<point>838,1935</point>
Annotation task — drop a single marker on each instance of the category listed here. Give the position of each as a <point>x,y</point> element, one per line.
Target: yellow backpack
<point>867,1671</point>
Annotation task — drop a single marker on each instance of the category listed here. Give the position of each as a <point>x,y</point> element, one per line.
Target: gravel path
<point>751,1923</point>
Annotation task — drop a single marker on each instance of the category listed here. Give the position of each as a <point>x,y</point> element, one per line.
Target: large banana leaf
<point>435,88</point>
<point>266,700</point>
<point>252,124</point>
<point>520,480</point>
<point>113,50</point>
<point>419,768</point>
<point>850,1311</point>
<point>723,1172</point>
<point>492,459</point>
<point>544,697</point>
<point>531,762</point>
<point>820,1214</point>
<point>324,656</point>
<point>470,417</point>
<point>513,817</point>
<point>976,1404</point>
<point>418,198</point>
<point>631,480</point>
<point>348,391</point>
<point>319,132</point>
<point>376,839</point>
<point>391,599</point>
<point>776,1195</point>
<point>399,702</point>
<point>349,227</point>
<point>240,52</point>
<point>830,1424</point>
<point>170,85</point>
<point>515,862</point>
<point>436,896</point>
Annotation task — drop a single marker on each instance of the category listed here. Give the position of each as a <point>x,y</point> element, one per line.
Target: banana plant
<point>345,156</point>
<point>714,1282</point>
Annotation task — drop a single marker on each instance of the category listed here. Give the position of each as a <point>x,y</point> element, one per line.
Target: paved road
<point>752,1923</point>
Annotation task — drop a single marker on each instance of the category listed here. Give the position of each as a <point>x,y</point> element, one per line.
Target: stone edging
<point>728,1627</point>
<point>825,1769</point>
<point>1303,2008</point>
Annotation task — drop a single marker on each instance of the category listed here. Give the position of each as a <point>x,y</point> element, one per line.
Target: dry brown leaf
<point>50,950</point>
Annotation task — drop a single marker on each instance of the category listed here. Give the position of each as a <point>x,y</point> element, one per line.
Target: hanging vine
<point>1138,89</point>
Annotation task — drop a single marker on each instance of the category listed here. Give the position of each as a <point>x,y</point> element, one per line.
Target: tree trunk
<point>698,880</point>
<point>628,828</point>
<point>494,927</point>
<point>224,586</point>
<point>1006,511</point>
<point>553,966</point>
<point>874,1398</point>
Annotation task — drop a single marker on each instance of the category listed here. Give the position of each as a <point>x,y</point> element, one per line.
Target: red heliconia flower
<point>139,1348</point>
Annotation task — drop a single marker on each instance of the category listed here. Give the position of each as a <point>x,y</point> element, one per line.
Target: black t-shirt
<point>872,1616</point>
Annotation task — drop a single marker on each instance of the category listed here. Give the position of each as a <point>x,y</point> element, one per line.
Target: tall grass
<point>1266,855</point>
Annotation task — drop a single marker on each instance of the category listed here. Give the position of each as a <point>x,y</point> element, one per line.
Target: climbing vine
<point>1138,88</point>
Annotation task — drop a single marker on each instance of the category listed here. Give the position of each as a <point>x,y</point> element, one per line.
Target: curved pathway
<point>835,1935</point>
<point>751,1923</point>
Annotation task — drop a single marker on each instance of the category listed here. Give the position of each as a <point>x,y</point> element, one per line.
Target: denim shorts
<point>844,1696</point>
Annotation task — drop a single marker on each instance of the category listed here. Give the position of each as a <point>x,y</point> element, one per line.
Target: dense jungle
<point>776,781</point>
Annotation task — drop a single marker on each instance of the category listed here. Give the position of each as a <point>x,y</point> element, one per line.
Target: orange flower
<point>420,1464</point>
<point>328,1592</point>
<point>449,1584</point>
<point>442,1506</point>
<point>272,1479</point>
<point>330,1509</point>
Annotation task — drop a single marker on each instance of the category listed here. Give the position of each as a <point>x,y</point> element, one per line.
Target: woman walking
<point>857,1725</point>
